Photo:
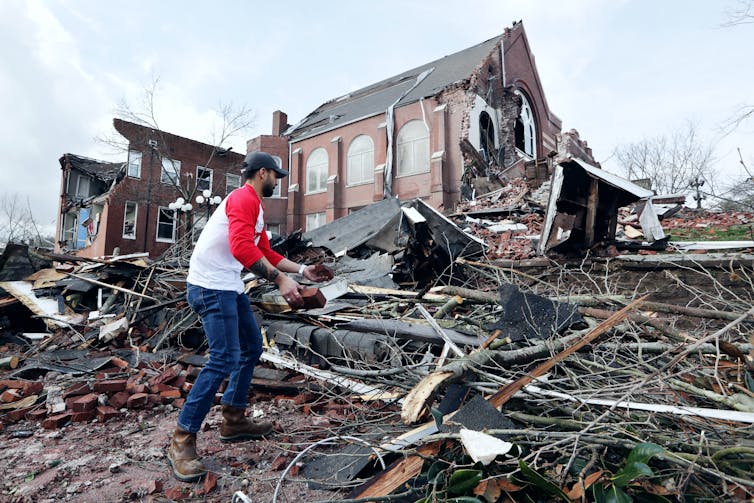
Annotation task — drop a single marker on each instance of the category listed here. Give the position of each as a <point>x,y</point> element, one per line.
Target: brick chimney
<point>279,122</point>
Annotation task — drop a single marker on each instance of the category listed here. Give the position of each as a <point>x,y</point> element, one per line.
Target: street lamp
<point>181,205</point>
<point>208,200</point>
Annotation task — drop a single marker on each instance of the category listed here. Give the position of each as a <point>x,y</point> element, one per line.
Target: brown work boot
<point>187,467</point>
<point>237,427</point>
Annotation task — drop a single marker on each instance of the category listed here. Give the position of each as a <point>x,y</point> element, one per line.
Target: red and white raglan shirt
<point>233,239</point>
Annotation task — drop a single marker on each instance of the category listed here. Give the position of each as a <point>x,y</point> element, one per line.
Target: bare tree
<point>231,120</point>
<point>739,195</point>
<point>17,222</point>
<point>673,163</point>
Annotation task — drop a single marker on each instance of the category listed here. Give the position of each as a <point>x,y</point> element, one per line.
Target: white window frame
<point>200,219</point>
<point>360,161</point>
<point>166,211</point>
<point>199,190</point>
<point>131,235</point>
<point>314,220</point>
<point>230,187</point>
<point>68,228</point>
<point>412,149</point>
<point>170,168</point>
<point>79,187</point>
<point>134,164</point>
<point>530,127</point>
<point>317,170</point>
<point>277,192</point>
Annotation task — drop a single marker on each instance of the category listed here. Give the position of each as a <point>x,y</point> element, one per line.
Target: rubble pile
<point>447,362</point>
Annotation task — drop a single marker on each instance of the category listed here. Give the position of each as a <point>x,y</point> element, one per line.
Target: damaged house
<point>425,133</point>
<point>126,207</point>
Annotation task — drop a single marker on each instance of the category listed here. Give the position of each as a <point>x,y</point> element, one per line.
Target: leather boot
<point>187,467</point>
<point>237,427</point>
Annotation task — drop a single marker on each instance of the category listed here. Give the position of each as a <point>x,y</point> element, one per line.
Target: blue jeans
<point>235,345</point>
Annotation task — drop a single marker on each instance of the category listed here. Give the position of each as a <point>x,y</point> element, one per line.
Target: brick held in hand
<point>312,298</point>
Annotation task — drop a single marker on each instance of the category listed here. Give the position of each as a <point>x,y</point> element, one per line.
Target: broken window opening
<point>82,186</point>
<point>487,138</point>
<point>360,161</point>
<point>134,164</point>
<point>165,225</point>
<point>525,129</point>
<point>412,149</point>
<point>200,221</point>
<point>232,182</point>
<point>129,220</point>
<point>68,230</point>
<point>203,179</point>
<point>316,171</point>
<point>170,171</point>
<point>314,220</point>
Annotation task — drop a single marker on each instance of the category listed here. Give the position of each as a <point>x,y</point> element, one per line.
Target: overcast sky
<point>616,70</point>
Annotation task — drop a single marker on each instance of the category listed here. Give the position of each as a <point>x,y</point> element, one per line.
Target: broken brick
<point>177,493</point>
<point>137,400</point>
<point>109,386</point>
<point>119,400</point>
<point>19,414</point>
<point>118,362</point>
<point>210,482</point>
<point>80,417</point>
<point>178,402</point>
<point>10,395</point>
<point>32,387</point>
<point>56,421</point>
<point>278,463</point>
<point>84,403</point>
<point>105,412</point>
<point>171,393</point>
<point>78,389</point>
<point>37,415</point>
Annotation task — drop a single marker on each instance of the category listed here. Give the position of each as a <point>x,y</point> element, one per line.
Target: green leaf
<point>464,480</point>
<point>435,470</point>
<point>610,494</point>
<point>541,482</point>
<point>465,499</point>
<point>437,416</point>
<point>644,497</point>
<point>423,500</point>
<point>631,472</point>
<point>749,380</point>
<point>642,453</point>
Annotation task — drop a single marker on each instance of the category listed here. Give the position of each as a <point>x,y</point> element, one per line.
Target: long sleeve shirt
<point>233,239</point>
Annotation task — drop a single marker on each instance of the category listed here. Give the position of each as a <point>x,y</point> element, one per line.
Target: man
<point>233,239</point>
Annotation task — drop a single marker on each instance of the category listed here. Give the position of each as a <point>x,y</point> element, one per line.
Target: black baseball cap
<point>258,160</point>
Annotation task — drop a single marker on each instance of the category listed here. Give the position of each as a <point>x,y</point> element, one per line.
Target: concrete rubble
<point>538,340</point>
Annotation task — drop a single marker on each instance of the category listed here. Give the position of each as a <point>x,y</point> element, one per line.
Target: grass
<point>742,232</point>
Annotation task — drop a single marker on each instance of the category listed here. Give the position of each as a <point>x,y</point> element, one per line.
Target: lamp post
<point>180,205</point>
<point>206,198</point>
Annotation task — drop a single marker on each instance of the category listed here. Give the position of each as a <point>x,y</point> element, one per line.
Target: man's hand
<point>290,290</point>
<point>318,273</point>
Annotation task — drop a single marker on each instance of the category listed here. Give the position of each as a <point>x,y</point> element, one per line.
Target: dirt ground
<point>123,460</point>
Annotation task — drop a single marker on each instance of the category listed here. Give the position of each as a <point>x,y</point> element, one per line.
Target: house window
<point>232,182</point>
<point>360,161</point>
<point>200,221</point>
<point>129,220</point>
<point>134,164</point>
<point>314,220</point>
<point>165,225</point>
<point>203,179</point>
<point>412,149</point>
<point>276,192</point>
<point>316,171</point>
<point>273,228</point>
<point>170,171</point>
<point>68,232</point>
<point>487,138</point>
<point>82,186</point>
<point>525,129</point>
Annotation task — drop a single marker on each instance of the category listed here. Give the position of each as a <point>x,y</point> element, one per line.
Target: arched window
<point>412,149</point>
<point>526,129</point>
<point>360,161</point>
<point>316,171</point>
<point>487,136</point>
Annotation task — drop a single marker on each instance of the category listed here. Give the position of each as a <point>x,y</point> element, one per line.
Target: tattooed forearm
<point>260,269</point>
